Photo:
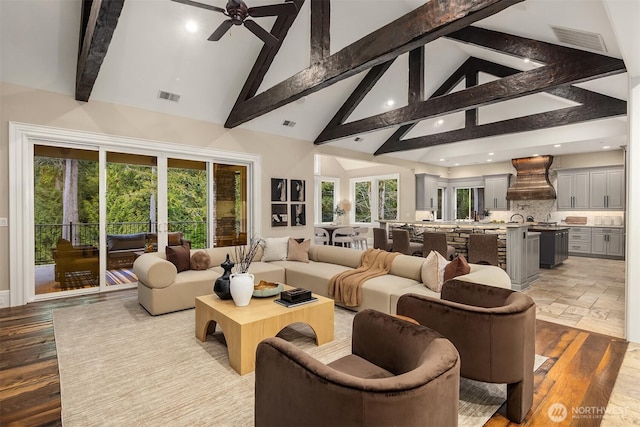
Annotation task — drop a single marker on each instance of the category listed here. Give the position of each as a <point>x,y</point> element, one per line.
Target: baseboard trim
<point>5,299</point>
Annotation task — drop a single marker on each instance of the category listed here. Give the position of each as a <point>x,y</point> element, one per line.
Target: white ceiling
<point>152,51</point>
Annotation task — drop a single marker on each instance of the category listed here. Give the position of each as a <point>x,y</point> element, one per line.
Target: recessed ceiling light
<point>442,160</point>
<point>390,103</point>
<point>526,60</point>
<point>606,147</point>
<point>491,154</point>
<point>456,164</point>
<point>191,26</point>
<point>535,155</point>
<point>557,145</point>
<point>439,122</point>
<point>489,160</point>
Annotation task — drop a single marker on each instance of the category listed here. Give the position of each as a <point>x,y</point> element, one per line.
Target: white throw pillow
<point>275,248</point>
<point>433,271</point>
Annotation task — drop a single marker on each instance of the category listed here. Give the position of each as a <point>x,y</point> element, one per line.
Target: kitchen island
<point>516,253</point>
<point>554,244</point>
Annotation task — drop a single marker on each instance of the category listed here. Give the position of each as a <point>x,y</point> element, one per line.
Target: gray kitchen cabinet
<point>533,256</point>
<point>607,242</point>
<point>606,188</point>
<point>495,192</point>
<point>426,192</point>
<point>573,190</point>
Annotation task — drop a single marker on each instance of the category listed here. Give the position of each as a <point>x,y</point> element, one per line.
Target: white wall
<point>633,210</point>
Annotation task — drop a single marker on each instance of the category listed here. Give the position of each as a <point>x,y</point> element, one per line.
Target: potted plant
<point>486,213</point>
<point>242,281</point>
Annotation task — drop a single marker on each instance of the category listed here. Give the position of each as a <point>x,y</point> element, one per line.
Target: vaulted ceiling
<point>506,84</point>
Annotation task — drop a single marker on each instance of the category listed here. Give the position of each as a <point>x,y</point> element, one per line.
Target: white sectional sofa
<point>162,290</point>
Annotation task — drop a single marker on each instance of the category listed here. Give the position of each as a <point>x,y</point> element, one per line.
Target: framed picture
<point>298,214</point>
<point>278,189</point>
<point>279,217</point>
<point>297,190</point>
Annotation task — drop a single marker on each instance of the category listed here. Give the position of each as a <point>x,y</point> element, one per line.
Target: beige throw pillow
<point>275,248</point>
<point>298,251</point>
<point>433,271</point>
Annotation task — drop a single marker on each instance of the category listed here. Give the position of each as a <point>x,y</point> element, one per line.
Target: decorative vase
<point>241,288</point>
<point>222,285</point>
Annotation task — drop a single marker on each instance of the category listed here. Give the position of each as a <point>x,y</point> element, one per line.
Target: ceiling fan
<point>237,11</point>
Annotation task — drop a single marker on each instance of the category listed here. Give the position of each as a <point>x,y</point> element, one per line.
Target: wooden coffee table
<point>245,327</point>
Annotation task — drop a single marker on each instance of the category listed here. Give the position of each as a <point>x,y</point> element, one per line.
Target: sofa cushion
<point>200,260</point>
<point>275,249</point>
<point>298,251</point>
<point>116,242</point>
<point>457,267</point>
<point>433,271</point>
<point>180,256</point>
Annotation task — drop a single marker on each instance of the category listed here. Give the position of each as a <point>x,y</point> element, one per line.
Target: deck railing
<point>47,235</point>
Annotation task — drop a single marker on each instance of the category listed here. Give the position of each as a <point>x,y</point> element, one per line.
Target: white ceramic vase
<point>241,288</point>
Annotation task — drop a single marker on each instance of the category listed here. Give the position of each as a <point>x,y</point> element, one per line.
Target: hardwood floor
<point>580,372</point>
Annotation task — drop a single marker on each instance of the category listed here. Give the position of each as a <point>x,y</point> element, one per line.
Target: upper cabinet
<point>573,190</point>
<point>495,192</point>
<point>598,188</point>
<point>426,192</point>
<point>607,188</point>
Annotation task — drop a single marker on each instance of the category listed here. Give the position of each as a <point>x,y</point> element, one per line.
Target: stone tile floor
<point>589,293</point>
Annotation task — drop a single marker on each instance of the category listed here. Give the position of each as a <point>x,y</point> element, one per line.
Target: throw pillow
<point>275,248</point>
<point>180,256</point>
<point>433,271</point>
<point>298,251</point>
<point>457,267</point>
<point>200,260</point>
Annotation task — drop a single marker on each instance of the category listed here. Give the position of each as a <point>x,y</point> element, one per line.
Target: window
<point>468,202</point>
<point>329,191</point>
<point>375,198</point>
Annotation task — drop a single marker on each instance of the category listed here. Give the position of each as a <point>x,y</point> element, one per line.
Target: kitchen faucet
<point>516,214</point>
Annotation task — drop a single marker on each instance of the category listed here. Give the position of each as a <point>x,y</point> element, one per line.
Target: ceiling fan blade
<point>266,36</point>
<point>273,10</point>
<point>220,31</point>
<point>201,5</point>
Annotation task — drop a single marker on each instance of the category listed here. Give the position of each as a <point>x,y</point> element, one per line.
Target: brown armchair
<point>492,328</point>
<point>399,373</point>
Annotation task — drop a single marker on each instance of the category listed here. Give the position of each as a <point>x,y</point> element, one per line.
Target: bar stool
<point>483,248</point>
<point>380,239</point>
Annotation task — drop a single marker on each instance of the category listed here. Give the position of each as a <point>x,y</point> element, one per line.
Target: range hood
<point>532,179</point>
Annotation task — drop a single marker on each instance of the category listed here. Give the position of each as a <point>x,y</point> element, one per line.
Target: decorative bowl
<point>267,289</point>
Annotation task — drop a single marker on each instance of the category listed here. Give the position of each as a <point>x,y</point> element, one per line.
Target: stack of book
<point>295,297</point>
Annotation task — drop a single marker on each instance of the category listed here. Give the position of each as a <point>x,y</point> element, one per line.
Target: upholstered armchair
<point>492,328</point>
<point>399,373</point>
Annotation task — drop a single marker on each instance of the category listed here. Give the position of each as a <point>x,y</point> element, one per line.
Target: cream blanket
<point>346,287</point>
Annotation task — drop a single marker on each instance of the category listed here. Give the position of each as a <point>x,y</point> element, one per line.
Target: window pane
<point>327,201</point>
<point>230,204</point>
<point>187,200</point>
<point>388,199</point>
<point>363,201</point>
<point>462,203</point>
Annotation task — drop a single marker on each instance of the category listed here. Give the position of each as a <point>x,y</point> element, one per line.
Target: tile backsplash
<point>539,209</point>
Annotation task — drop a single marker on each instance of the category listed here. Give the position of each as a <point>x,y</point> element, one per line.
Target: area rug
<point>120,276</point>
<point>120,366</point>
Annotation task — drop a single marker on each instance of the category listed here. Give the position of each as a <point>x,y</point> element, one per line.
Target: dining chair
<point>360,238</point>
<point>344,236</point>
<point>321,236</point>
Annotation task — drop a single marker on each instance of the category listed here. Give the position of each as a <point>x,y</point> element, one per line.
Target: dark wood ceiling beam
<point>428,22</point>
<point>320,30</point>
<point>471,115</point>
<point>267,54</point>
<point>510,87</point>
<point>416,75</point>
<point>563,117</point>
<point>98,28</point>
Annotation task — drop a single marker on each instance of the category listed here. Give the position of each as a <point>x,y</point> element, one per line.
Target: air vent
<point>358,139</point>
<point>174,97</point>
<point>580,38</point>
<point>288,123</point>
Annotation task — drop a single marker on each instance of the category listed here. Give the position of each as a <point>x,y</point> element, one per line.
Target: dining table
<point>331,228</point>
